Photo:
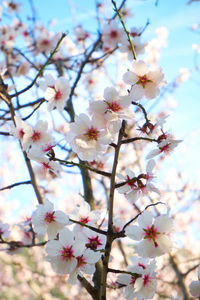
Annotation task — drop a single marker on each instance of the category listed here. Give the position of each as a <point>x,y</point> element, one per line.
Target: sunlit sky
<point>178,17</point>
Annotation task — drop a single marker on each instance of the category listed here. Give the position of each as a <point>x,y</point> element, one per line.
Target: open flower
<point>85,215</point>
<point>63,253</point>
<point>109,112</point>
<point>85,264</point>
<point>57,94</point>
<point>112,35</point>
<point>142,283</point>
<point>86,138</point>
<point>153,236</point>
<point>138,186</point>
<point>36,136</point>
<point>166,146</point>
<point>46,219</point>
<point>144,81</point>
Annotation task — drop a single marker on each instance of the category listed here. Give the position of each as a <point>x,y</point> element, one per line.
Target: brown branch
<point>90,227</point>
<point>42,68</point>
<point>7,98</point>
<point>90,289</point>
<point>139,138</point>
<point>153,204</point>
<point>110,215</point>
<point>15,184</point>
<point>83,165</point>
<point>4,133</point>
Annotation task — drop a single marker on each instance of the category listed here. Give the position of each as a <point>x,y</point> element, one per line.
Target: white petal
<point>153,153</point>
<point>123,189</point>
<point>110,94</point>
<point>164,223</point>
<point>145,219</point>
<point>150,165</point>
<point>61,217</point>
<point>137,92</point>
<point>66,237</point>
<point>151,91</point>
<point>134,232</point>
<point>130,78</point>
<point>140,68</point>
<point>53,248</point>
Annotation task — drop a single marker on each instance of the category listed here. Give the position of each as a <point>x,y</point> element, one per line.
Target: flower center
<point>80,261</point>
<point>49,217</point>
<point>84,220</point>
<point>143,80</point>
<point>113,34</point>
<point>146,279</point>
<point>58,95</point>
<point>94,242</point>
<point>36,136</point>
<point>67,253</point>
<point>46,166</point>
<point>131,182</point>
<point>114,106</point>
<point>92,134</point>
<point>151,233</point>
<point>21,133</point>
<point>45,42</point>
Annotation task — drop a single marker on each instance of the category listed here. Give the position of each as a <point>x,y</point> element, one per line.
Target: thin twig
<point>15,184</point>
<point>126,31</point>
<point>42,68</point>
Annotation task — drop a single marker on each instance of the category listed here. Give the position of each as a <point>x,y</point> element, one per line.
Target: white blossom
<point>144,81</point>
<point>57,94</point>
<point>62,253</point>
<point>142,284</point>
<point>109,112</point>
<point>112,35</point>
<point>154,236</point>
<point>46,220</point>
<point>87,139</point>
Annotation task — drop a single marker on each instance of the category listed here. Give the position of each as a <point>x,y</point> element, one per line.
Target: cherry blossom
<point>46,219</point>
<point>166,146</point>
<point>137,186</point>
<point>85,264</point>
<point>57,94</point>
<point>37,135</point>
<point>85,215</point>
<point>112,35</point>
<point>86,138</point>
<point>19,129</point>
<point>81,34</point>
<point>109,112</point>
<point>144,81</point>
<point>154,236</point>
<point>142,283</point>
<point>63,253</point>
<point>92,240</point>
